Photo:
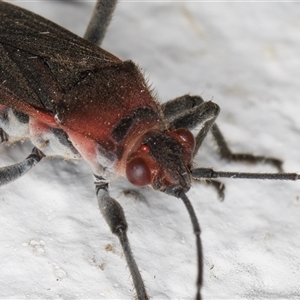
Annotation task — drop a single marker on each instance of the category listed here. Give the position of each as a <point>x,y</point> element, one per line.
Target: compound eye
<point>186,137</point>
<point>137,172</point>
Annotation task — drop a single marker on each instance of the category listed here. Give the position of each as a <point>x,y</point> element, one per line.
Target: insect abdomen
<point>50,140</point>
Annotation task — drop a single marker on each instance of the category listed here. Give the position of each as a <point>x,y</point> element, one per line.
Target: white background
<point>54,243</point>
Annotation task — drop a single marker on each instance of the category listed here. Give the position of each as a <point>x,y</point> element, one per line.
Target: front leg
<point>176,110</point>
<point>114,215</point>
<point>226,153</point>
<point>204,114</point>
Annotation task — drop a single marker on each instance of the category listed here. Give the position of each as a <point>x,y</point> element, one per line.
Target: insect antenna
<point>197,231</point>
<point>208,173</point>
<point>179,193</point>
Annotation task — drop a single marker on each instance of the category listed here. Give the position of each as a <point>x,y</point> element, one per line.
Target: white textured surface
<point>246,56</point>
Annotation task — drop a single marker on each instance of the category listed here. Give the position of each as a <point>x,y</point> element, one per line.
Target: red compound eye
<point>187,137</point>
<point>137,172</point>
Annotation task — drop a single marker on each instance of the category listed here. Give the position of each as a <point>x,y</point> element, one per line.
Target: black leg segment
<point>226,153</point>
<point>100,20</point>
<point>114,216</point>
<point>13,172</point>
<point>180,105</point>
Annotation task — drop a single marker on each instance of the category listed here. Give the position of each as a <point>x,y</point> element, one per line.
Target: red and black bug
<point>75,100</point>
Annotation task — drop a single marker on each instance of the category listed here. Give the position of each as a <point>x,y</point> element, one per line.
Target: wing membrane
<point>40,61</point>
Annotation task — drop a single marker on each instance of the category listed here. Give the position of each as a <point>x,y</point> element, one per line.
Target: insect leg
<point>180,105</point>
<point>13,172</point>
<point>226,153</point>
<point>175,110</point>
<point>99,21</point>
<point>204,114</point>
<point>190,111</point>
<point>114,216</point>
<point>3,136</point>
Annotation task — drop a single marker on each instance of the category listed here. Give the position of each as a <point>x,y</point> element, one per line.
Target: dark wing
<point>41,61</point>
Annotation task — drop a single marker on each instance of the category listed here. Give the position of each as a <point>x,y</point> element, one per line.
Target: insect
<point>66,128</point>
